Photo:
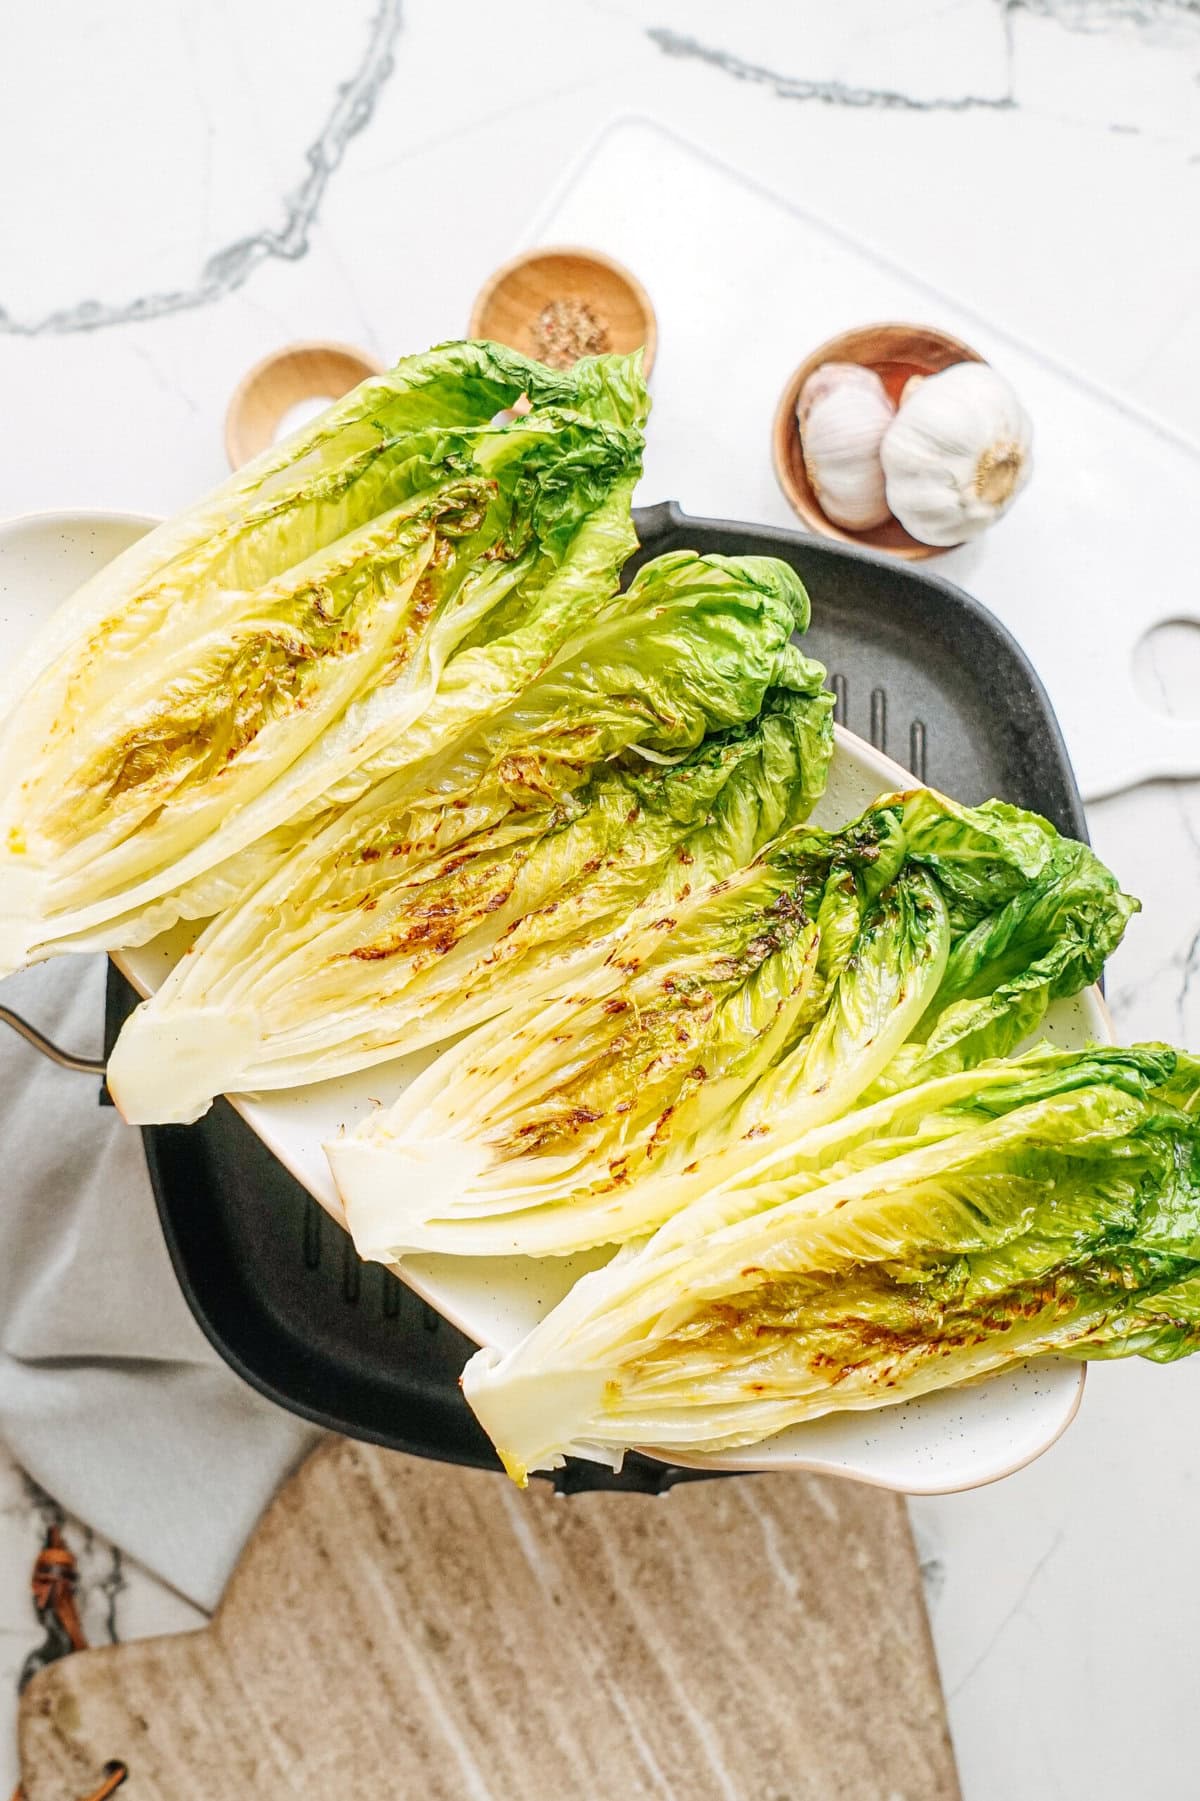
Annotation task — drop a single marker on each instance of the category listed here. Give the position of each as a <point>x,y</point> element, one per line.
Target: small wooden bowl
<point>509,303</point>
<point>895,352</point>
<point>307,371</point>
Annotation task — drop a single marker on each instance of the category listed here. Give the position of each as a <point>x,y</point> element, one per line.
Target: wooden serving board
<point>406,1629</point>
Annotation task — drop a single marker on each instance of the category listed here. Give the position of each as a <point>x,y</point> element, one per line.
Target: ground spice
<point>565,330</point>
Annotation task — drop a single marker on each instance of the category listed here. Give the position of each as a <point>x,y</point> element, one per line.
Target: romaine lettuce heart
<point>1046,1205</point>
<point>454,887</point>
<point>685,1069</point>
<point>214,686</point>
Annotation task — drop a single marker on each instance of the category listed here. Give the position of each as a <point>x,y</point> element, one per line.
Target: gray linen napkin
<point>110,1396</point>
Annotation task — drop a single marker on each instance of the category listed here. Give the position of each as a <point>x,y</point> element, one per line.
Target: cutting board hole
<point>1166,668</point>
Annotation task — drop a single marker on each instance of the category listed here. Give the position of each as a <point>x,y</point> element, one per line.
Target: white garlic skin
<point>843,412</point>
<point>835,376</point>
<point>957,454</point>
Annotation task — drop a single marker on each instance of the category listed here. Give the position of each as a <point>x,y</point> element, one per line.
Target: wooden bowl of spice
<point>562,303</point>
<point>291,384</point>
<point>896,353</point>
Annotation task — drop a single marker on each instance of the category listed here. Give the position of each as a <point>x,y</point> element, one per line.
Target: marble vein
<point>1102,15</point>
<point>1026,1590</point>
<point>112,1585</point>
<point>1189,965</point>
<point>823,92</point>
<point>230,267</point>
<point>933,1578</point>
<point>54,1642</point>
<point>43,1506</point>
<point>1181,966</point>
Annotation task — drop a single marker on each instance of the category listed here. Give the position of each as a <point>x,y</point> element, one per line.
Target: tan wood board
<point>398,1628</point>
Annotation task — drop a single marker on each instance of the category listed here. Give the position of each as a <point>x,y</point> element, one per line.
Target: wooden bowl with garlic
<point>900,437</point>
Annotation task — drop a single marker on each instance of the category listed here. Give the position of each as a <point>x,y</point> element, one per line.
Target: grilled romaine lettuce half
<point>917,940</point>
<point>481,678</point>
<point>214,681</point>
<point>1048,1204</point>
<point>463,883</point>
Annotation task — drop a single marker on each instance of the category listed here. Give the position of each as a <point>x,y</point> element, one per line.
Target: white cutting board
<point>745,285</point>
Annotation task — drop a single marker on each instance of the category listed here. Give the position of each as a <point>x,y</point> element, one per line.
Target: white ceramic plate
<point>957,1439</point>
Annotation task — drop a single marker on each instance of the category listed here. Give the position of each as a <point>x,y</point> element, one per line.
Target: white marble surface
<point>187,185</point>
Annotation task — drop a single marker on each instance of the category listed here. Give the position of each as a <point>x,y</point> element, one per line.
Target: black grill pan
<point>923,672</point>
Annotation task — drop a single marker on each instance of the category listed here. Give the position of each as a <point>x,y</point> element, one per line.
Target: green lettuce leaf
<point>1031,918</point>
<point>214,682</point>
<point>686,1068</point>
<point>543,1132</point>
<point>479,680</point>
<point>1050,938</point>
<point>454,885</point>
<point>1050,1204</point>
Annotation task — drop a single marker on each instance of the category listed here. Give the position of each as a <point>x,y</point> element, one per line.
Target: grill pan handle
<point>86,1066</point>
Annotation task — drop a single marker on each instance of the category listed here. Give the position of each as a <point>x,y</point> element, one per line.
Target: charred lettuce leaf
<point>1049,1204</point>
<point>216,680</point>
<point>685,1068</point>
<point>456,885</point>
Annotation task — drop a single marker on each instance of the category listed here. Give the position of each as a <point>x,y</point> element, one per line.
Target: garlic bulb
<point>843,412</point>
<point>830,377</point>
<point>957,454</point>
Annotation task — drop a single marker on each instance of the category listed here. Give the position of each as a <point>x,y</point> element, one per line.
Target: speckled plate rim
<point>957,1439</point>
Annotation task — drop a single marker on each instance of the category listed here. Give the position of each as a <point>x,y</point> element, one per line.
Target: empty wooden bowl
<point>286,378</point>
<point>509,305</point>
<point>895,352</point>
